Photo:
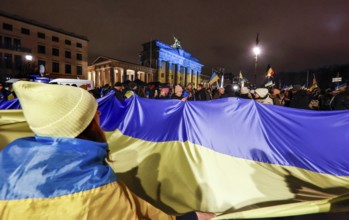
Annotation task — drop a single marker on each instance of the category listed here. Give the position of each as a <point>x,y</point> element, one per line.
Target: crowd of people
<point>299,97</point>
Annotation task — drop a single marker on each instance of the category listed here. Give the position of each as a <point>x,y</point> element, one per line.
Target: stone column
<point>94,77</point>
<point>167,70</point>
<point>99,78</point>
<point>188,76</point>
<point>177,74</point>
<point>170,73</point>
<point>159,70</point>
<point>116,75</point>
<point>125,75</point>
<point>195,78</point>
<point>192,76</point>
<point>183,76</point>
<point>107,75</point>
<point>111,76</point>
<point>103,77</point>
<point>198,77</point>
<point>122,77</point>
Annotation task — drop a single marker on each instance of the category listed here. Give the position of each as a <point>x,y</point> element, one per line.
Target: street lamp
<point>256,51</point>
<point>28,59</point>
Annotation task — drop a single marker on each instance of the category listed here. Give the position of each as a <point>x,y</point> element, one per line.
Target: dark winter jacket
<point>300,100</point>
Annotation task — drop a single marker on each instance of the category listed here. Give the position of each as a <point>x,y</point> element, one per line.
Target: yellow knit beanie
<point>55,110</point>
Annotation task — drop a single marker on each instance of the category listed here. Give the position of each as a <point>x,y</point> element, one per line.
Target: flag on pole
<point>257,39</point>
<point>270,72</point>
<point>242,79</point>
<point>314,80</point>
<point>341,87</point>
<point>213,78</point>
<point>240,75</point>
<point>314,85</point>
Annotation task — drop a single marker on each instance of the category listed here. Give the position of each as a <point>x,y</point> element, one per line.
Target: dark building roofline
<point>36,23</point>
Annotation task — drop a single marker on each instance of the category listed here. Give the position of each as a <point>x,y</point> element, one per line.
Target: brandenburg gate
<point>173,64</point>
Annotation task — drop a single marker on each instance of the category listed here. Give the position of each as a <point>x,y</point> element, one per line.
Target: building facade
<point>26,44</point>
<point>173,65</point>
<point>105,70</point>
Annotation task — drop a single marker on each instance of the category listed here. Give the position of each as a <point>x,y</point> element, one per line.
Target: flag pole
<point>222,81</point>
<point>256,60</point>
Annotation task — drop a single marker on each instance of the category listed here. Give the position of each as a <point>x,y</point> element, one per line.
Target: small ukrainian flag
<point>213,78</point>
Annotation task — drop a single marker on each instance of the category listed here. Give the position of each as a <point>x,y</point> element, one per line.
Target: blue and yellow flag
<point>240,75</point>
<point>235,157</point>
<point>242,79</point>
<point>270,72</point>
<point>231,156</point>
<point>213,78</point>
<point>341,87</point>
<point>314,84</point>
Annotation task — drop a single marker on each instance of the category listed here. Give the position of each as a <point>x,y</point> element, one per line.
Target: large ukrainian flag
<point>231,156</point>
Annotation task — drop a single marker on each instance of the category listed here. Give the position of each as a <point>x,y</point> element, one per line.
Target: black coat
<point>201,95</point>
<point>300,100</point>
<point>174,96</point>
<point>341,101</point>
<point>119,95</point>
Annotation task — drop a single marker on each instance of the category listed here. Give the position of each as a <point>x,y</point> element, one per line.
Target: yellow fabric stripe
<point>326,205</point>
<point>181,177</point>
<point>112,201</point>
<point>12,126</point>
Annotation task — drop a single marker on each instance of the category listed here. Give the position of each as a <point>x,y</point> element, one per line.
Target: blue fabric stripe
<point>12,104</point>
<point>312,140</point>
<point>42,167</point>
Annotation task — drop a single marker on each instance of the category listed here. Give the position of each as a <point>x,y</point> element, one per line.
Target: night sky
<point>294,34</point>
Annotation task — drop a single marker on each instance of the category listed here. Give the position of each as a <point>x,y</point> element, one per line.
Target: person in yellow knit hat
<point>61,172</point>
